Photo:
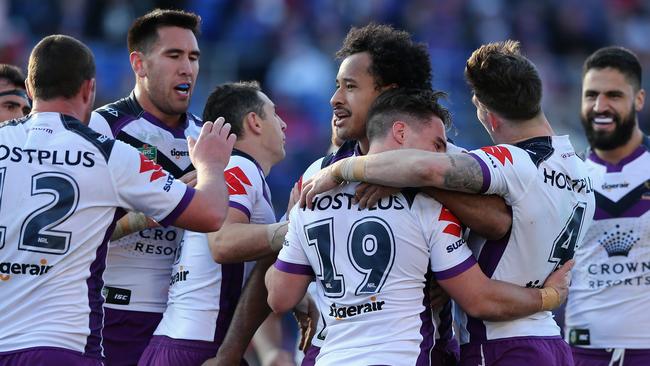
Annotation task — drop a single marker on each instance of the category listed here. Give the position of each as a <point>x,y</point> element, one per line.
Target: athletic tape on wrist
<point>550,298</point>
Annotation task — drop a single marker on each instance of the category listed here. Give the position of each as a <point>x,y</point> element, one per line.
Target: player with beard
<point>606,317</point>
<point>375,58</point>
<point>164,56</point>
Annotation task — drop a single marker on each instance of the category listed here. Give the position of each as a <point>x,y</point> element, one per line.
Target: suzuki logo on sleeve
<point>454,227</point>
<point>147,165</point>
<point>501,153</point>
<point>235,180</point>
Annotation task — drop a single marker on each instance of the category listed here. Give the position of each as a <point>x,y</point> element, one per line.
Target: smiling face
<point>609,106</point>
<point>169,71</point>
<point>355,92</point>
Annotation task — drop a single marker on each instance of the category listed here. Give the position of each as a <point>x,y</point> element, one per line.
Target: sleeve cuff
<point>182,205</point>
<point>299,269</point>
<point>455,270</point>
<point>486,173</point>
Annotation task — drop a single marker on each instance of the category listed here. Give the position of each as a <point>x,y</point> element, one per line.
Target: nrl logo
<point>150,152</point>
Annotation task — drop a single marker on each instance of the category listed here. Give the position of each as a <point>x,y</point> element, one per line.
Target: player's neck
<point>69,107</point>
<point>170,120</point>
<point>518,131</point>
<point>614,156</point>
<point>254,149</point>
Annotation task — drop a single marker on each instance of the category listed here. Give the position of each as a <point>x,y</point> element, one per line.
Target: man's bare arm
<point>285,290</point>
<point>239,241</point>
<point>400,168</point>
<point>252,309</point>
<point>493,300</point>
<point>489,216</point>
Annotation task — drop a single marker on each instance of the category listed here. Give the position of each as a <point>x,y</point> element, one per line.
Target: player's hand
<point>437,296</point>
<point>561,279</point>
<point>306,315</point>
<point>321,182</point>
<point>189,178</point>
<point>213,147</point>
<point>367,195</point>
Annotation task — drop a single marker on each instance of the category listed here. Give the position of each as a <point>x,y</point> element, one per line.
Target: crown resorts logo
<point>617,242</point>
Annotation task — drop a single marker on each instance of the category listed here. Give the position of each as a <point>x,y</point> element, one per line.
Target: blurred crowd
<point>289,46</point>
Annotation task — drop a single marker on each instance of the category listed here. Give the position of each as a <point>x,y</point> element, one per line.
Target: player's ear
<point>253,123</point>
<point>639,100</point>
<point>137,64</point>
<point>88,90</point>
<point>398,131</point>
<point>493,120</point>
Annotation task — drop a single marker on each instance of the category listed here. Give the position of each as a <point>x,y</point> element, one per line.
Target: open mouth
<point>602,120</point>
<point>183,89</point>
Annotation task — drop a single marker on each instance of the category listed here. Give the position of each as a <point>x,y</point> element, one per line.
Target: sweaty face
<point>12,106</point>
<point>355,92</point>
<point>171,66</point>
<point>609,106</point>
<point>273,128</point>
<point>428,136</point>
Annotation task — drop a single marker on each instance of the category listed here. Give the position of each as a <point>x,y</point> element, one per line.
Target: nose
<point>185,67</point>
<point>601,104</point>
<point>283,125</point>
<point>336,97</point>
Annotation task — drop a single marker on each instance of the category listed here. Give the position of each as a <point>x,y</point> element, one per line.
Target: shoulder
<point>102,142</point>
<point>124,108</point>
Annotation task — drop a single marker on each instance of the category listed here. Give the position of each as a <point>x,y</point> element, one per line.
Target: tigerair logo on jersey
<point>618,242</point>
<point>236,180</point>
<point>147,165</point>
<point>179,153</point>
<point>151,152</point>
<point>7,269</point>
<point>342,312</point>
<point>179,276</point>
<point>501,153</point>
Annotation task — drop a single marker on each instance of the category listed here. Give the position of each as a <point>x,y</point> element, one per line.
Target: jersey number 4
<point>564,246</point>
<point>370,250</point>
<point>37,232</point>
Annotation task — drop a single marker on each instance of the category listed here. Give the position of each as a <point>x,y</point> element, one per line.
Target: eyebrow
<point>178,50</point>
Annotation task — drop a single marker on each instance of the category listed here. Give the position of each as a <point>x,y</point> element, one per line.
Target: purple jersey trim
<point>455,270</point>
<point>427,328</point>
<point>616,168</point>
<point>182,205</point>
<point>637,210</point>
<point>95,283</point>
<point>241,208</point>
<point>232,281</point>
<point>119,125</point>
<point>299,269</point>
<point>488,260</point>
<point>177,132</point>
<point>486,173</point>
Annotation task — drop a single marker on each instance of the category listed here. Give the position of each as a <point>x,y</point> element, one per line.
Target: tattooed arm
<point>401,168</point>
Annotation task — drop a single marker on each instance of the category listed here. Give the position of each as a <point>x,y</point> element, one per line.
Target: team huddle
<point>141,234</point>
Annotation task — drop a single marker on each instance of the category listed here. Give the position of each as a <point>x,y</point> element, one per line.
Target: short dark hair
<point>233,101</point>
<point>13,74</point>
<point>504,80</point>
<point>618,58</point>
<point>143,33</point>
<point>396,59</point>
<point>58,65</point>
<point>411,105</point>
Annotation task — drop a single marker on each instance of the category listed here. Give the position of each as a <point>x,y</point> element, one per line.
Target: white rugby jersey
<point>139,265</point>
<point>552,200</point>
<point>203,294</point>
<point>610,290</point>
<point>60,186</point>
<point>370,267</point>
